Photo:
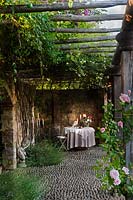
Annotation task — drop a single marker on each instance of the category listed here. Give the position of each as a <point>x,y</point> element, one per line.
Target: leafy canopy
<point>31,45</point>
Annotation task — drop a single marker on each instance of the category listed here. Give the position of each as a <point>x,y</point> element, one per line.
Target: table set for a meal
<point>80,137</point>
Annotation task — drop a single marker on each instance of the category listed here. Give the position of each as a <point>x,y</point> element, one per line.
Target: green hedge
<point>43,154</point>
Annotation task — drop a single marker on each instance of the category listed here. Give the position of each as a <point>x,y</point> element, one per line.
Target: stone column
<point>9,138</point>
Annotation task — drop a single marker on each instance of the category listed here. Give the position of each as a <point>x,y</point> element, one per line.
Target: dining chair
<point>62,140</point>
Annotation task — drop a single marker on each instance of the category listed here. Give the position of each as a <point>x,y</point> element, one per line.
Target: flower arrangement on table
<point>85,120</point>
<point>113,170</point>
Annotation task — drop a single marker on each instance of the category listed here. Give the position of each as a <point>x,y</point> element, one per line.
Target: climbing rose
<point>126,170</point>
<point>86,12</point>
<point>102,130</point>
<point>120,123</point>
<point>124,98</point>
<point>117,181</point>
<point>114,174</point>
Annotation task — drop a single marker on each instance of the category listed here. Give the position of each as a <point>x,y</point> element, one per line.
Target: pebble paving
<point>74,178</point>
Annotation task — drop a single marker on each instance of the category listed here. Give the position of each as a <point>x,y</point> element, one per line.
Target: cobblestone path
<point>74,178</point>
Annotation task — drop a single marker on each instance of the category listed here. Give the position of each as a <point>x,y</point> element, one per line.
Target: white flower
<point>126,170</point>
<point>117,181</point>
<point>114,174</point>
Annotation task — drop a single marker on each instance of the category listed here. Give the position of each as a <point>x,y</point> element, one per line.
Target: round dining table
<point>80,137</point>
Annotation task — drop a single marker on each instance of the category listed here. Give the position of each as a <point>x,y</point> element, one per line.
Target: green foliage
<point>88,69</point>
<point>43,154</point>
<point>115,135</point>
<point>31,45</point>
<point>19,186</point>
<point>1,98</point>
<point>28,40</point>
<point>37,38</point>
<point>127,118</point>
<point>18,2</point>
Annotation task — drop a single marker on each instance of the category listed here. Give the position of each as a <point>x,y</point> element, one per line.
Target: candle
<point>43,122</point>
<point>84,115</point>
<point>80,116</point>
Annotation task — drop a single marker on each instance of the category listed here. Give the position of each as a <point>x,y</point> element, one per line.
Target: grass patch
<point>19,186</point>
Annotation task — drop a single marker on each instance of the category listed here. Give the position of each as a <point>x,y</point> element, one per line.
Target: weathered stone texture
<point>8,139</point>
<point>62,108</point>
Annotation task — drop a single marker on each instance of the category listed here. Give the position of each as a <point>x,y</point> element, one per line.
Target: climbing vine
<point>30,45</point>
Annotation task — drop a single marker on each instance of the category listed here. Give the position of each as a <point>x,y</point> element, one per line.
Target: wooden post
<point>125,48</point>
<point>117,89</point>
<point>126,81</point>
<point>127,84</point>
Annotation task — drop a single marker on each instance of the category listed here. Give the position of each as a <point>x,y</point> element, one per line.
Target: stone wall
<point>56,109</point>
<point>61,108</point>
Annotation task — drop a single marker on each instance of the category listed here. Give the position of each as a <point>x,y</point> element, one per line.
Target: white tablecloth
<point>80,137</point>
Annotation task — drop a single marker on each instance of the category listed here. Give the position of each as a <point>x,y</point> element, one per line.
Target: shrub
<point>43,154</point>
<point>19,186</point>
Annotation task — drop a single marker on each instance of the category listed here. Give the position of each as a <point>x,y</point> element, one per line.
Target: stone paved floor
<point>74,178</point>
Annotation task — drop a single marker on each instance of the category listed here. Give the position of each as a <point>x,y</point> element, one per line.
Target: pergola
<point>65,45</point>
<point>122,69</point>
<point>98,40</point>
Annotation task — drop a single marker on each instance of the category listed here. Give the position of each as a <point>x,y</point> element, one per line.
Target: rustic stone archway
<point>7,137</point>
<point>17,124</point>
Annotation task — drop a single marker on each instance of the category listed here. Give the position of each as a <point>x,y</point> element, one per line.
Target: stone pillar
<point>9,138</point>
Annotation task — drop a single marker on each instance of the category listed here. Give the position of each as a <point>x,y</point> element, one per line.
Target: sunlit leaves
<point>70,3</point>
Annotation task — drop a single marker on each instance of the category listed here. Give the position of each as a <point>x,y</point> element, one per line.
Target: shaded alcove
<point>60,108</point>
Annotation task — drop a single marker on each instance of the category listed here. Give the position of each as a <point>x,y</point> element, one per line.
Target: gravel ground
<point>74,178</point>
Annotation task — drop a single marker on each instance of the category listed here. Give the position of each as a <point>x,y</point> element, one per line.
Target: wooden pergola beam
<point>110,50</point>
<point>85,30</point>
<point>82,40</point>
<point>86,46</point>
<point>109,54</point>
<point>94,18</point>
<point>58,6</point>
